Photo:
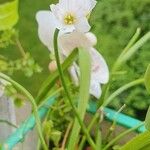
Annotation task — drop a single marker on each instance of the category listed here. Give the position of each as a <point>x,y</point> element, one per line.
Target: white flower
<point>68,41</point>
<point>100,72</point>
<point>46,28</point>
<point>72,15</point>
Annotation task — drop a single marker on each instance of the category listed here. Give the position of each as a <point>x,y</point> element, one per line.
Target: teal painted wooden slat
<point>120,118</point>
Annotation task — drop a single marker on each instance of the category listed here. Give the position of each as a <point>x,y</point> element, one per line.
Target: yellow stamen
<point>69,19</point>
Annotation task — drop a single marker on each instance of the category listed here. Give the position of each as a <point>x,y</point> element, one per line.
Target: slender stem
<point>113,126</point>
<point>20,47</point>
<point>111,97</point>
<point>67,92</point>
<point>131,42</point>
<point>34,106</point>
<point>117,64</point>
<point>132,50</point>
<point>50,81</point>
<point>122,89</point>
<point>120,136</point>
<point>94,119</point>
<point>66,136</point>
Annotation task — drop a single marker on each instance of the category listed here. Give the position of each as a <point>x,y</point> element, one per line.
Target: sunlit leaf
<point>147,79</point>
<point>140,142</point>
<point>8,14</point>
<point>85,69</point>
<point>98,140</point>
<point>132,50</point>
<point>147,120</point>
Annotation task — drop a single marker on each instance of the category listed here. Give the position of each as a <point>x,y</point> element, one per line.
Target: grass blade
<point>85,69</point>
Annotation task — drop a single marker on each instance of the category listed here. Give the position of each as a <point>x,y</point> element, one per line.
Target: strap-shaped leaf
<point>140,142</point>
<point>147,79</point>
<point>147,120</point>
<point>8,15</point>
<point>147,84</point>
<point>85,75</point>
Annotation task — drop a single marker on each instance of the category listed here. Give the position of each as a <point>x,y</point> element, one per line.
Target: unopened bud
<point>52,66</point>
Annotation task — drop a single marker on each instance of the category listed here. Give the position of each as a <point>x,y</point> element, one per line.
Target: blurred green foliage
<point>114,22</point>
<point>8,14</point>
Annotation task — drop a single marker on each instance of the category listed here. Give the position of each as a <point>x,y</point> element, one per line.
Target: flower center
<point>69,19</point>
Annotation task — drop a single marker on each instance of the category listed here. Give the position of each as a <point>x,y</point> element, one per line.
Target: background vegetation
<point>114,22</point>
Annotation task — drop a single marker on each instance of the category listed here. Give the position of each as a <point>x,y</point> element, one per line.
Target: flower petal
<point>95,89</point>
<point>74,74</point>
<point>100,72</point>
<point>82,25</point>
<point>68,5</point>
<point>46,28</point>
<point>89,5</point>
<point>70,41</point>
<point>59,14</point>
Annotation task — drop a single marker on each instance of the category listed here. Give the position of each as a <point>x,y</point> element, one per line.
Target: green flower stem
<point>121,136</point>
<point>112,96</point>
<point>20,48</point>
<point>96,116</point>
<point>67,92</point>
<point>50,81</point>
<point>131,42</point>
<point>117,64</point>
<point>34,106</point>
<point>127,55</point>
<point>128,51</point>
<point>122,89</point>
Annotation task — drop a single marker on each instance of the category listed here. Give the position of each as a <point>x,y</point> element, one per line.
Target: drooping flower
<point>99,70</point>
<point>67,15</point>
<point>72,15</point>
<point>74,37</point>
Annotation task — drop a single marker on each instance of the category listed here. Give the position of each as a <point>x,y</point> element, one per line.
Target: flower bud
<point>52,66</point>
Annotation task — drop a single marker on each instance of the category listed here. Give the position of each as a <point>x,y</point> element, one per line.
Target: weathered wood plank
<point>16,116</point>
<point>30,141</point>
<point>7,113</point>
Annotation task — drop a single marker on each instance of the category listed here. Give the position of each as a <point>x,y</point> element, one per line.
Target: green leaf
<point>132,50</point>
<point>98,140</point>
<point>147,120</point>
<point>85,74</point>
<point>56,137</point>
<point>140,142</point>
<point>8,15</point>
<point>50,81</point>
<point>147,78</point>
